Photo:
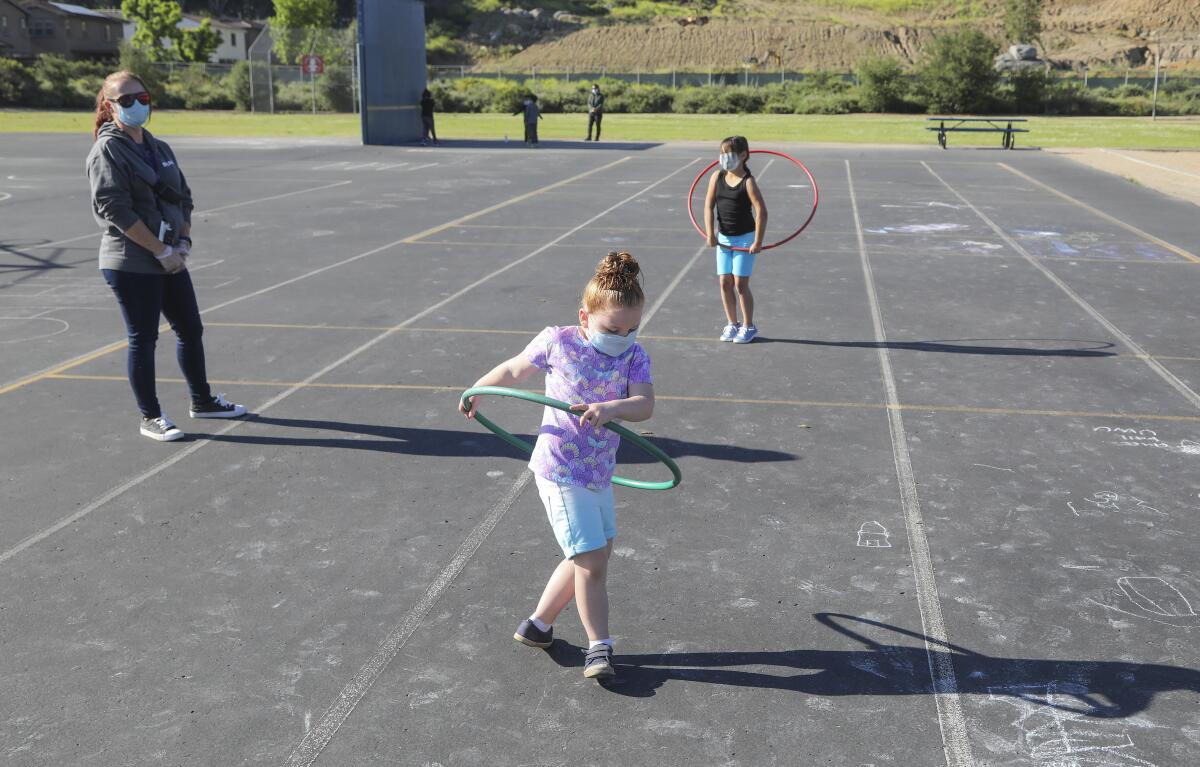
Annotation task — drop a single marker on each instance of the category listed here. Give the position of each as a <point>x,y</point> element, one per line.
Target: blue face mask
<point>729,160</point>
<point>135,116</point>
<point>610,343</point>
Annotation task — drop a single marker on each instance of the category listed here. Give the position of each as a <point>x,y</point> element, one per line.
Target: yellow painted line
<point>686,398</point>
<point>1112,219</point>
<point>64,367</point>
<point>118,345</point>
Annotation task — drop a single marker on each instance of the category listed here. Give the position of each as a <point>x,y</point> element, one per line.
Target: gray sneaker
<point>531,635</point>
<point>746,334</point>
<point>598,663</point>
<point>730,332</point>
<point>161,429</point>
<point>217,407</point>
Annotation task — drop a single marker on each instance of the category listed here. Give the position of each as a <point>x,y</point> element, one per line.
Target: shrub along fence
<point>51,82</point>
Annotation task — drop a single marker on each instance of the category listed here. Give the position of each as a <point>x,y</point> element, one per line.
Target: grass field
<point>1065,132</point>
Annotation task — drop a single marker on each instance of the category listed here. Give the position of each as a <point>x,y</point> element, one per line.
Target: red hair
<point>104,111</point>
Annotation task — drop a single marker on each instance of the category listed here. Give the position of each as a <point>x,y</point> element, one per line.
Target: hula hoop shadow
<point>616,428</point>
<point>789,238</point>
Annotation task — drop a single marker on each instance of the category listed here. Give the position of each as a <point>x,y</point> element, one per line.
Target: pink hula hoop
<point>789,238</point>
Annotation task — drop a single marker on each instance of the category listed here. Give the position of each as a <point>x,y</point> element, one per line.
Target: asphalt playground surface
<point>945,511</point>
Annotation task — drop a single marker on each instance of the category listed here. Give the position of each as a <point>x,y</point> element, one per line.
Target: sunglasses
<point>127,100</point>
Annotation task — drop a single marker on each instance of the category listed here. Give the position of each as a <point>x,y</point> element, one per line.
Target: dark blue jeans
<point>142,298</point>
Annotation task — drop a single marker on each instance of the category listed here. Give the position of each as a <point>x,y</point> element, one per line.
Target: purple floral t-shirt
<point>576,373</point>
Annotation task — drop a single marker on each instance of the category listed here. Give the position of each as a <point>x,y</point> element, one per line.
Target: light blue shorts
<point>583,520</point>
<point>735,262</point>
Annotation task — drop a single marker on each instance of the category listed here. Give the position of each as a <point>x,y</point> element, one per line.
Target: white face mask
<point>610,343</point>
<point>729,160</point>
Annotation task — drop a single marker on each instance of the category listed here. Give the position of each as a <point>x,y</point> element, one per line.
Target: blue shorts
<point>583,520</point>
<point>736,262</point>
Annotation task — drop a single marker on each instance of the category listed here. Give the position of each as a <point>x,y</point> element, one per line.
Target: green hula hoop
<point>520,444</point>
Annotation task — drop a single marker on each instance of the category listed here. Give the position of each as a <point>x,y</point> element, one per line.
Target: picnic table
<point>993,125</point>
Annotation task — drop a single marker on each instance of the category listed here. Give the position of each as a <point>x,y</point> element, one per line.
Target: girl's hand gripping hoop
<point>616,428</point>
<point>790,237</point>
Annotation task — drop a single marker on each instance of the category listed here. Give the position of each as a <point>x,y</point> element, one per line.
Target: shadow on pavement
<point>477,443</point>
<point>1086,688</point>
<point>967,346</point>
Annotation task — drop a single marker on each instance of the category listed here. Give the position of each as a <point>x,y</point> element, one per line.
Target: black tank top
<point>734,212</point>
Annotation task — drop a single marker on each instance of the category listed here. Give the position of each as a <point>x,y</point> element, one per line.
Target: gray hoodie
<point>123,193</point>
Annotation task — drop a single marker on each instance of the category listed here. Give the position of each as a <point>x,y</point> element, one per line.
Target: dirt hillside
<point>805,35</point>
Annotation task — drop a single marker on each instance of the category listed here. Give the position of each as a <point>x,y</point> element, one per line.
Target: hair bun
<point>617,281</point>
<point>620,269</point>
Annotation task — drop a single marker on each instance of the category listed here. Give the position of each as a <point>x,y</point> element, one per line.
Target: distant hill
<point>804,34</point>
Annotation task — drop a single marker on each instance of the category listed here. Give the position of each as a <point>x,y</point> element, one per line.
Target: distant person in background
<point>142,202</point>
<point>595,111</point>
<point>532,115</point>
<point>427,129</point>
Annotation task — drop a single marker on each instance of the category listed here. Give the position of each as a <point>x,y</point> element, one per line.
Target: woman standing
<point>142,202</point>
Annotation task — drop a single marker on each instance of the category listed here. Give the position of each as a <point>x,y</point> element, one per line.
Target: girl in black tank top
<point>737,233</point>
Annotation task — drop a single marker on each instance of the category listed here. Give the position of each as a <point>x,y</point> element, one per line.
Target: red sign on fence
<point>313,65</point>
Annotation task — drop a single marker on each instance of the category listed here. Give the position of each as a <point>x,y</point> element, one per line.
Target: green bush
<point>881,84</point>
<point>193,88</point>
<point>17,83</point>
<point>827,104</point>
<point>67,84</point>
<point>237,86</point>
<point>1025,92</point>
<point>719,99</point>
<point>957,76</point>
<point>640,99</point>
<point>336,88</point>
<point>297,97</point>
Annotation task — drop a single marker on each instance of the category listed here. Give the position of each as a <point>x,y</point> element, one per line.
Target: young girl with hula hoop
<point>741,216</point>
<point>599,367</point>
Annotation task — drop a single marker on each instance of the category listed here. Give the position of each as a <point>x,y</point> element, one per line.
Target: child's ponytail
<point>617,282</point>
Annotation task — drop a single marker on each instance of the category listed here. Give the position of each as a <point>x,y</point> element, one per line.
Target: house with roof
<point>14,31</point>
<point>64,29</point>
<point>236,37</point>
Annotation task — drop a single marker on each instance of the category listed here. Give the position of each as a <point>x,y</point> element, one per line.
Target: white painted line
<point>1097,212</point>
<point>56,243</point>
<point>319,736</point>
<point>933,626</point>
<point>272,197</point>
<point>1151,164</point>
<point>674,284</point>
<point>163,465</point>
<point>86,356</point>
<point>1159,369</point>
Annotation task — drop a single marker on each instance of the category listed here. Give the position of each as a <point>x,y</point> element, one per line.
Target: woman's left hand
<point>597,414</point>
<point>755,247</point>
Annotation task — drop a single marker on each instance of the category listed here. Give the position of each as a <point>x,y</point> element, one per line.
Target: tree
<point>881,85</point>
<point>958,75</point>
<point>157,22</point>
<point>199,43</point>
<point>301,27</point>
<point>1023,21</point>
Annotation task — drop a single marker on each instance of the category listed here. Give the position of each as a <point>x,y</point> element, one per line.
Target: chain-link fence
<point>306,69</point>
<point>675,79</point>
